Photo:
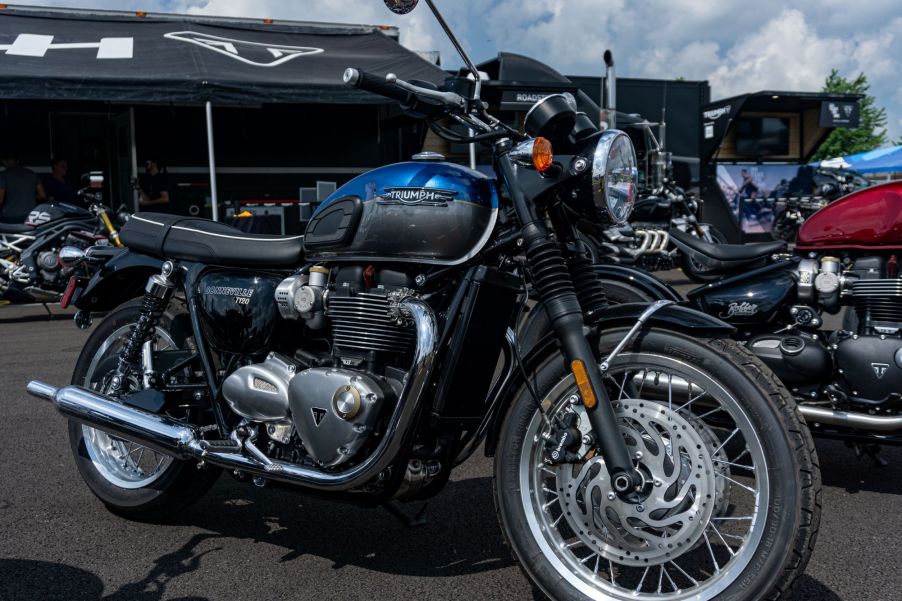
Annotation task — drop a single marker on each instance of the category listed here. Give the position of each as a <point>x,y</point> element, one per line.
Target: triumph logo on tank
<point>435,197</point>
<point>740,310</point>
<point>879,369</point>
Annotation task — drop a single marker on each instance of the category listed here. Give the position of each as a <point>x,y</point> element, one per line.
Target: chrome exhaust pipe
<point>156,432</point>
<point>170,437</point>
<point>860,421</point>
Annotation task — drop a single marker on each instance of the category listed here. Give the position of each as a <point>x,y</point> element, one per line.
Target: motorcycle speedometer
<point>615,176</point>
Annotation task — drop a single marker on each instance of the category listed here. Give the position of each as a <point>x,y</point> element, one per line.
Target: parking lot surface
<point>58,542</point>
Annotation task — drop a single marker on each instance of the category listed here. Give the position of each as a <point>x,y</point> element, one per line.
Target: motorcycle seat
<point>15,228</point>
<point>724,257</point>
<point>207,241</point>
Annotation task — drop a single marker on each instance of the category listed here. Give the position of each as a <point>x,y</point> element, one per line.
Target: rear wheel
<point>131,480</point>
<point>729,506</point>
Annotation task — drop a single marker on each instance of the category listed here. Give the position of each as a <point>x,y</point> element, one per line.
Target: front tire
<point>132,481</point>
<point>575,542</point>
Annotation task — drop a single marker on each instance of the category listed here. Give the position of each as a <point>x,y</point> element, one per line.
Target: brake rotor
<point>668,515</point>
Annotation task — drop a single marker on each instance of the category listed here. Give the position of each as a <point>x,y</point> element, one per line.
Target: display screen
<point>762,136</point>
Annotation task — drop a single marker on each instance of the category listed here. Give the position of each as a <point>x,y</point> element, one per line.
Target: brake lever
<point>447,98</point>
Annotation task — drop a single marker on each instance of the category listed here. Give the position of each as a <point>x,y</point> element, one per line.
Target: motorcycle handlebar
<point>377,85</point>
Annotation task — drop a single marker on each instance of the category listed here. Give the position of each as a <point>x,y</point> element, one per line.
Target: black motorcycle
<point>39,257</point>
<point>639,453</point>
<point>645,241</point>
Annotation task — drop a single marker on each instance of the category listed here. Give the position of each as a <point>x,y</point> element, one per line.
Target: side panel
<point>417,212</point>
<point>751,300</point>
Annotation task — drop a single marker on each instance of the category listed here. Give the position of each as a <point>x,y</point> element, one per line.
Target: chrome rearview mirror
<point>401,7</point>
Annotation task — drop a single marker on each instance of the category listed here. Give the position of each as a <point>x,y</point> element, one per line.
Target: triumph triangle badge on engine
<point>318,415</point>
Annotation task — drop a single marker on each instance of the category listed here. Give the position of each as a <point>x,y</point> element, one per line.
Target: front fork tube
<point>570,330</point>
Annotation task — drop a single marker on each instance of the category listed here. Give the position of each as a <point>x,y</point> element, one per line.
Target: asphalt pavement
<point>57,542</point>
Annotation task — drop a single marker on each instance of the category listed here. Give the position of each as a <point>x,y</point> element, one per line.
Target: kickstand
<point>49,312</point>
<point>418,519</point>
<point>872,451</point>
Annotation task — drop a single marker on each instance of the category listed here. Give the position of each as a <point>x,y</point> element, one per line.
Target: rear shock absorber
<point>156,297</point>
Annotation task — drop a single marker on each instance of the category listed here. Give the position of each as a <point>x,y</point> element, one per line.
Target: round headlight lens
<point>615,175</point>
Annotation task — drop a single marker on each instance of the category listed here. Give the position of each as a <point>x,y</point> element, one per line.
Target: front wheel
<point>728,508</point>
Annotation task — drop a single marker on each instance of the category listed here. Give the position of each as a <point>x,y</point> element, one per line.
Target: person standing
<point>20,189</point>
<point>154,187</point>
<point>55,185</point>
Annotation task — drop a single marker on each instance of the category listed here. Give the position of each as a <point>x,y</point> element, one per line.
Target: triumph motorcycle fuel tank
<point>429,212</point>
<point>54,211</point>
<point>864,219</point>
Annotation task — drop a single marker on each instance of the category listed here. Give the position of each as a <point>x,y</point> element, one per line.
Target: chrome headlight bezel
<point>615,176</point>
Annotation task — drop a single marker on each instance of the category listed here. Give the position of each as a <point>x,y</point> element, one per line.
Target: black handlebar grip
<point>377,85</point>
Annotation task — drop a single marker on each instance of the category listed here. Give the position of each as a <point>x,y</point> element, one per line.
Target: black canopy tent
<point>126,58</point>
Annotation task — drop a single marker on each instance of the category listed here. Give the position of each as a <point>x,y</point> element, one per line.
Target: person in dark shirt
<point>154,187</point>
<point>55,185</point>
<point>20,189</point>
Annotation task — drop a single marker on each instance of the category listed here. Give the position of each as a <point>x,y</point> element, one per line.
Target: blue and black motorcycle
<point>639,452</point>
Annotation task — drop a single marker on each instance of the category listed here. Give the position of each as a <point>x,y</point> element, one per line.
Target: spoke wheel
<point>693,525</point>
<point>123,463</point>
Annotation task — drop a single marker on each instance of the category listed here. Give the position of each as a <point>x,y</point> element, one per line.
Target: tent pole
<point>134,154</point>
<point>214,198</point>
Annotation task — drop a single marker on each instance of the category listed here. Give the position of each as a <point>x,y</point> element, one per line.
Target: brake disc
<point>669,513</point>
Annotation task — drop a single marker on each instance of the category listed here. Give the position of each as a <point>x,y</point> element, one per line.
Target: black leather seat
<point>207,241</point>
<point>15,228</point>
<point>721,257</point>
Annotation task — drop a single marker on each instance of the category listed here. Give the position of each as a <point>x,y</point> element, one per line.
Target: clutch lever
<point>447,98</point>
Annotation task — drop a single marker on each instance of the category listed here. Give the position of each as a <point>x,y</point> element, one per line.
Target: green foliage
<point>870,134</point>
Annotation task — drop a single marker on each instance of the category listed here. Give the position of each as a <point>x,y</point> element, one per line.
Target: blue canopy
<point>882,160</point>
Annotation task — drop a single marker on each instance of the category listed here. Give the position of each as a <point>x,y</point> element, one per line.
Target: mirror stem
<point>458,47</point>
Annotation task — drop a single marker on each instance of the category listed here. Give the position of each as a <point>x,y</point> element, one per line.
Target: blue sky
<point>737,45</point>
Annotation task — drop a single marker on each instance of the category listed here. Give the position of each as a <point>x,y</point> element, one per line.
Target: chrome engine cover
<point>334,411</point>
<point>259,392</point>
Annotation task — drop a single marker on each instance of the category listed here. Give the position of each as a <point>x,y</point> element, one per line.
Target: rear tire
<point>785,527</point>
<point>176,484</point>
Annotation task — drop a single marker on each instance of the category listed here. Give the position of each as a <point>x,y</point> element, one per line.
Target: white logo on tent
<point>251,53</point>
<point>29,44</point>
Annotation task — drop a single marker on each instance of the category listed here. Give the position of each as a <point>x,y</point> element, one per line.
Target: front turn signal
<point>542,154</point>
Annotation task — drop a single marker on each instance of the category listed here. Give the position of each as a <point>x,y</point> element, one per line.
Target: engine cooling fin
<point>878,300</point>
<point>364,322</point>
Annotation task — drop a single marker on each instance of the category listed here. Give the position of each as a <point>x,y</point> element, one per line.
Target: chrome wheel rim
<point>688,540</point>
<point>123,463</point>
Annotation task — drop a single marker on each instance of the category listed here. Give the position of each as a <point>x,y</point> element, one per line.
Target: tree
<point>870,134</point>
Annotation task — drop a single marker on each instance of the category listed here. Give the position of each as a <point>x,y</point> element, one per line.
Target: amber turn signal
<point>542,154</point>
<point>582,382</point>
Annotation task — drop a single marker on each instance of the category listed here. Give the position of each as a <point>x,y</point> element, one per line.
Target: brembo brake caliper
<point>563,441</point>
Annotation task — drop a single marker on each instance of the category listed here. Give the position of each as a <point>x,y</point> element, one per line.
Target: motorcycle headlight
<point>615,176</point>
